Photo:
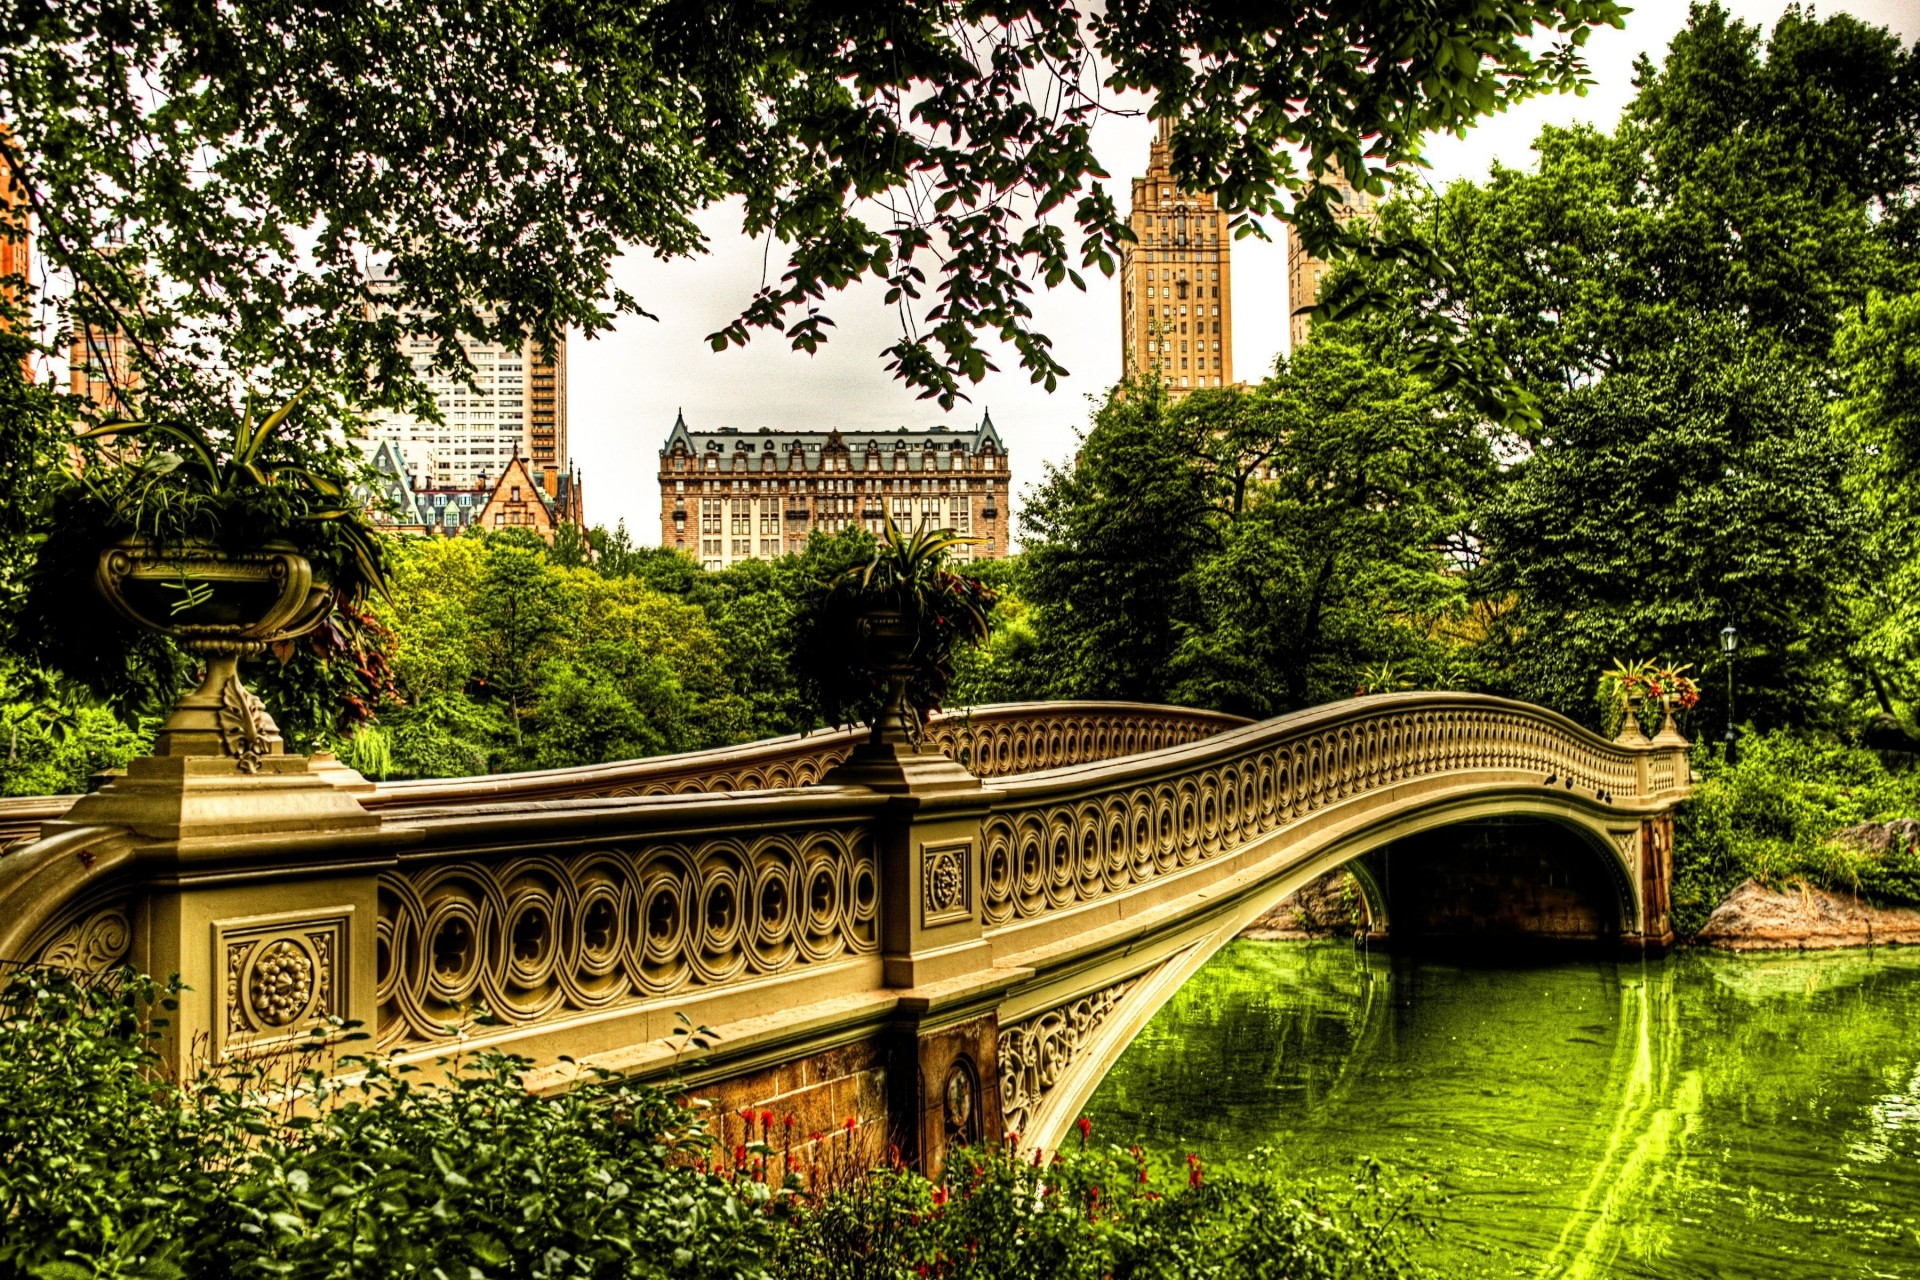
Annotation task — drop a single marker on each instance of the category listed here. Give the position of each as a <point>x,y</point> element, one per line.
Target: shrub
<point>107,1169</point>
<point>1094,1213</point>
<point>1771,817</point>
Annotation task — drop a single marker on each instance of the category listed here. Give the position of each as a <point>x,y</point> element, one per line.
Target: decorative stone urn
<point>893,758</point>
<point>887,643</point>
<point>223,605</point>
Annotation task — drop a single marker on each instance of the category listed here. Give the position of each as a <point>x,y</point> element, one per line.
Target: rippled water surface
<point>1699,1116</point>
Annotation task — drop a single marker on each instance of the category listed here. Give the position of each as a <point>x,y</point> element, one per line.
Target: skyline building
<point>515,406</point>
<point>731,495</point>
<point>1176,281</point>
<point>1305,272</point>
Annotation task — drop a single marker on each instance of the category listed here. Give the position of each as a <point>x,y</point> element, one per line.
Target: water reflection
<point>1705,1115</point>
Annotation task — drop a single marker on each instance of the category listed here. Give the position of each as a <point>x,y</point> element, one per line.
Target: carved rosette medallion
<point>943,878</point>
<point>960,1103</point>
<point>1036,1053</point>
<point>282,984</point>
<point>282,977</point>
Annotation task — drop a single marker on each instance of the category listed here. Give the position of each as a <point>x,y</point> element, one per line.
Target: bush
<point>1771,818</point>
<point>1093,1213</point>
<point>106,1169</point>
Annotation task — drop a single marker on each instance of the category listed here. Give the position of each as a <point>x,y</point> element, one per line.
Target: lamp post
<point>1729,641</point>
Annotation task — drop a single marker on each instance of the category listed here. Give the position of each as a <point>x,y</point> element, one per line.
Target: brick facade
<point>730,495</point>
<point>1176,282</point>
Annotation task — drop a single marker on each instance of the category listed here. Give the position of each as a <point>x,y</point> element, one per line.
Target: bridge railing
<point>992,741</point>
<point>1070,836</point>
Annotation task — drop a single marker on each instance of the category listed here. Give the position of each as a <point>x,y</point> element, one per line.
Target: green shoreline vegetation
<point>108,1170</point>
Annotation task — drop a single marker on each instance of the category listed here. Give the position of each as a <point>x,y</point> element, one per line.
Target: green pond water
<point>1696,1116</point>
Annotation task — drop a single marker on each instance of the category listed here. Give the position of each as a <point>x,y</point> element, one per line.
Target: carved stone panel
<point>282,975</point>
<point>946,885</point>
<point>92,940</point>
<point>1036,1053</point>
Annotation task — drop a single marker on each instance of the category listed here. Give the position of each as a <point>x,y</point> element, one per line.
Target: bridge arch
<point>1049,1074</point>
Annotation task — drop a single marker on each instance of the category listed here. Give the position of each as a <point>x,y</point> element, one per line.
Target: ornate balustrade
<point>993,741</point>
<point>1069,836</point>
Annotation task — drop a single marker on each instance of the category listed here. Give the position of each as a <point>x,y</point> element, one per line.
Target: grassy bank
<point>1771,817</point>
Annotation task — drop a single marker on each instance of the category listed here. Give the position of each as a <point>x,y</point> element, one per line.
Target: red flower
<point>1086,1128</point>
<point>939,1195</point>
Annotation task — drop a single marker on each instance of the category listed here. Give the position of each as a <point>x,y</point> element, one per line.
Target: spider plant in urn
<point>877,641</point>
<point>229,531</point>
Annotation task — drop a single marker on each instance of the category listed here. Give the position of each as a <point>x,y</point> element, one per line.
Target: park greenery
<point>1705,322</point>
<point>109,1169</point>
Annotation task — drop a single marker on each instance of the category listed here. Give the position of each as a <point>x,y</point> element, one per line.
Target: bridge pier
<point>943,1075</point>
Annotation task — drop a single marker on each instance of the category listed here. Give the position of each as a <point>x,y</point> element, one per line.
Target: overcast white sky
<point>627,385</point>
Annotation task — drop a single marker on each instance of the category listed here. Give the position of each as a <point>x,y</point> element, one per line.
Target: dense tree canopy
<point>1688,299</point>
<point>1254,550</point>
<point>227,182</point>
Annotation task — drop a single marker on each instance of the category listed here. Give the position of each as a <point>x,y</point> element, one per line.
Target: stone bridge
<point>940,954</point>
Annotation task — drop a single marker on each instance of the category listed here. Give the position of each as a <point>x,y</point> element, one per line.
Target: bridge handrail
<point>1064,837</point>
<point>998,739</point>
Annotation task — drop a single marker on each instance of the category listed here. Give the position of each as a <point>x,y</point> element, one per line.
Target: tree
<point>1769,186</point>
<point>1254,551</point>
<point>522,612</point>
<point>225,183</point>
<point>1319,575</point>
<point>1666,503</point>
<point>1112,543</point>
<point>1878,353</point>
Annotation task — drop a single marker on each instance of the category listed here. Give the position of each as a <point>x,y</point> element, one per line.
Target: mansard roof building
<point>526,496</point>
<point>730,495</point>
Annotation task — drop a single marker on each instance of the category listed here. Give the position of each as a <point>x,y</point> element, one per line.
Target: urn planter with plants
<point>229,532</point>
<point>1642,694</point>
<point>877,642</point>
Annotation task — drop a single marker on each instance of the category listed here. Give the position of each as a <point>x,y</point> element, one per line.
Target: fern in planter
<point>888,630</point>
<point>193,484</point>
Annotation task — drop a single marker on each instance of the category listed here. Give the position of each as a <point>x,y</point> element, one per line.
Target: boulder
<point>1329,907</point>
<point>1878,837</point>
<point>1755,918</point>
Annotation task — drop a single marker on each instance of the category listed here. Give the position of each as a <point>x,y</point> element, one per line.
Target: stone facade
<point>1176,282</point>
<point>731,495</point>
<point>1305,272</point>
<point>512,405</point>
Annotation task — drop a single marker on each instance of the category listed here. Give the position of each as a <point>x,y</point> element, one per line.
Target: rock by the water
<point>1330,907</point>
<point>1754,918</point>
<point>1878,837</point>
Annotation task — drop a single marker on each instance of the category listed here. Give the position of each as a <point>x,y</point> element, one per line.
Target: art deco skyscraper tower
<point>1176,282</point>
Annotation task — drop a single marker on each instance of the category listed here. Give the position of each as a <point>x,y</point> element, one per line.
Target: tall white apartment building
<point>514,407</point>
